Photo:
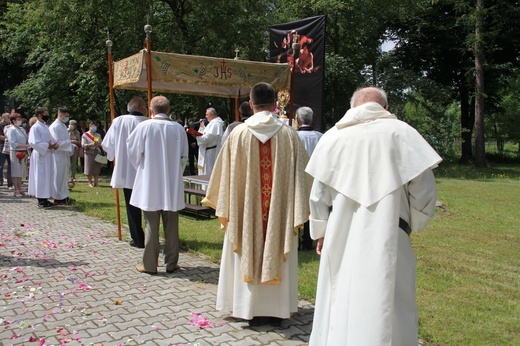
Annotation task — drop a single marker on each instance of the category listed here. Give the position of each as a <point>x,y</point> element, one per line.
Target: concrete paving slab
<point>66,279</point>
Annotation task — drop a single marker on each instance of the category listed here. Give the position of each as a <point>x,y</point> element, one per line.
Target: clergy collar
<point>161,116</point>
<point>305,128</point>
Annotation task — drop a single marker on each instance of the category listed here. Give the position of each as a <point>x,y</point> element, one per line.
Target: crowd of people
<point>46,154</point>
<point>354,194</point>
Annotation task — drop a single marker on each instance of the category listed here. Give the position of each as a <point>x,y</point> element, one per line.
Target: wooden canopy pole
<point>296,51</point>
<point>112,115</point>
<point>237,109</point>
<point>291,97</point>
<point>148,31</point>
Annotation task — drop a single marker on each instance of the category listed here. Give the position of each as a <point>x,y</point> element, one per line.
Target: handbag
<point>101,159</point>
<point>20,155</point>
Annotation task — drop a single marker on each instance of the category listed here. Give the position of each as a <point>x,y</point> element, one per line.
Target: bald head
<point>369,94</point>
<point>160,104</point>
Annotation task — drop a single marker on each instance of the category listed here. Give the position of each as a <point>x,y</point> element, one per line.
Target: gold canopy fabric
<point>192,74</point>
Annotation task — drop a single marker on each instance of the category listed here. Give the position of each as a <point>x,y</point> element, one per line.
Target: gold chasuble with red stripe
<point>260,193</point>
<point>266,181</point>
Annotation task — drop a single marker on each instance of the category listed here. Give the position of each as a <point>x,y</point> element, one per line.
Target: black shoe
<point>263,320</point>
<point>46,205</point>
<point>275,321</point>
<point>258,321</point>
<point>65,201</point>
<point>134,244</point>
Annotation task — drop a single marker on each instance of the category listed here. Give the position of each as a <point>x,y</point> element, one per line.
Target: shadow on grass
<point>470,172</point>
<point>196,245</point>
<point>82,206</point>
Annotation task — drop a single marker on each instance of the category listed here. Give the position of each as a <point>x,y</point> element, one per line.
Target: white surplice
<point>211,138</point>
<point>309,137</point>
<point>114,145</point>
<point>61,159</point>
<point>234,193</point>
<point>41,170</point>
<point>370,170</point>
<point>158,149</point>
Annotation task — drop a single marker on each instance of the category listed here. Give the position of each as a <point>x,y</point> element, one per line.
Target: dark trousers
<point>134,220</point>
<point>306,240</point>
<point>193,155</point>
<point>3,159</point>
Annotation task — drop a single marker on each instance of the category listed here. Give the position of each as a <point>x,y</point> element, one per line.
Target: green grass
<point>468,258</point>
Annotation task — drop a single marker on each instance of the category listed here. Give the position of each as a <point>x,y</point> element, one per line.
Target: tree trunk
<point>466,123</point>
<point>480,149</point>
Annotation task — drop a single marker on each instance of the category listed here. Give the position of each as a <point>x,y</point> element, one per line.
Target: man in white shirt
<point>310,139</point>
<point>61,157</point>
<point>373,185</point>
<point>158,149</point>
<point>41,171</point>
<point>245,112</point>
<point>209,142</point>
<point>124,172</point>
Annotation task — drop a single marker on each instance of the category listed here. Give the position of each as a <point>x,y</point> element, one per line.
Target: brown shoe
<point>140,268</point>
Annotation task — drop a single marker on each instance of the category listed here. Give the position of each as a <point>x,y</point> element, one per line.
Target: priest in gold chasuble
<point>260,193</point>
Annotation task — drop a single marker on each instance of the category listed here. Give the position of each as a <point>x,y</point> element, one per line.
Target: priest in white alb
<point>158,149</point>
<point>124,172</point>
<point>373,185</point>
<point>209,141</point>
<point>259,191</point>
<point>61,157</point>
<point>41,171</point>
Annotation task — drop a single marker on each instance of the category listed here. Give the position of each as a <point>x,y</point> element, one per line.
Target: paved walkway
<point>66,279</point>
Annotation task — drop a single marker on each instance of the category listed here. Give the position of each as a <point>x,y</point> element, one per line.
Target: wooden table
<point>194,188</point>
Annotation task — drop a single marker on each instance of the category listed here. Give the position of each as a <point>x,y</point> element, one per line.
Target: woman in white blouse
<point>18,152</point>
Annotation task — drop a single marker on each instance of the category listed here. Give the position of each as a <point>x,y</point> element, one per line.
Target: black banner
<point>310,60</point>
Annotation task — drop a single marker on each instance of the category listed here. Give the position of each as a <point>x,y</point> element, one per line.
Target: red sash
<point>89,136</point>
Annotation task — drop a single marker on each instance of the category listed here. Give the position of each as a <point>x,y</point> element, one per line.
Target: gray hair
<point>369,94</point>
<point>212,111</point>
<point>304,115</point>
<point>135,103</point>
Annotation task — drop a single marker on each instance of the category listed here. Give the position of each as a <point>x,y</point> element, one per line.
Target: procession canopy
<point>198,75</point>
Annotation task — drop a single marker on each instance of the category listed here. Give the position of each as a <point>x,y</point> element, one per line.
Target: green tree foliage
<point>436,42</point>
<point>507,117</point>
<point>59,47</point>
<point>53,52</point>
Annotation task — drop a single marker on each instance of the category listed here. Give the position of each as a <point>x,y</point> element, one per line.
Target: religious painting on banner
<point>309,60</point>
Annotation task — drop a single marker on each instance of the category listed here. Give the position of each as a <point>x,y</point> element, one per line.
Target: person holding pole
<point>124,172</point>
